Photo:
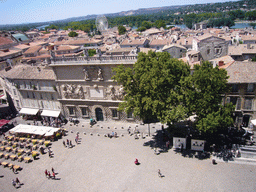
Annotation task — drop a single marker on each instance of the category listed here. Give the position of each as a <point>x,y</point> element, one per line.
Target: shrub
<point>14,146</point>
<point>19,154</point>
<point>34,142</point>
<point>28,136</point>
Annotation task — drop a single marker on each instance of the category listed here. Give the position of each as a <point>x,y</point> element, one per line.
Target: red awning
<point>3,122</point>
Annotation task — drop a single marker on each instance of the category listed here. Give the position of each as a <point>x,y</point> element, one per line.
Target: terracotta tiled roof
<point>248,38</point>
<point>133,42</point>
<point>5,41</point>
<point>241,49</point>
<point>160,42</point>
<point>30,72</point>
<point>173,45</point>
<point>66,47</point>
<point>242,72</point>
<point>33,49</point>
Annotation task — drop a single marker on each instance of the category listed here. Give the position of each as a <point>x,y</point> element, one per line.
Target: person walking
<point>17,182</point>
<point>64,143</point>
<point>46,173</point>
<point>53,175</point>
<point>68,143</point>
<point>53,170</point>
<point>159,173</point>
<point>49,174</point>
<point>14,183</point>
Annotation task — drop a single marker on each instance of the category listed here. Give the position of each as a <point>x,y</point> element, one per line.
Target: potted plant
<point>19,154</point>
<point>14,146</point>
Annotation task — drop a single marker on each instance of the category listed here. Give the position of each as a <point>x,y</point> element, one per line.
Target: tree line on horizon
<point>215,14</point>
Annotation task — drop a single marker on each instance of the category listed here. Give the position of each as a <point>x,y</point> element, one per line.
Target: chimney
<point>221,63</point>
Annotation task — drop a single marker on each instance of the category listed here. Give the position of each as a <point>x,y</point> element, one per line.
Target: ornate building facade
<point>86,88</point>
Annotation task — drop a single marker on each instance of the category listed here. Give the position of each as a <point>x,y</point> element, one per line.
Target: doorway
<point>99,114</point>
<point>246,119</point>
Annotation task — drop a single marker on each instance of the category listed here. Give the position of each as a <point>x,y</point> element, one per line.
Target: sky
<point>30,11</point>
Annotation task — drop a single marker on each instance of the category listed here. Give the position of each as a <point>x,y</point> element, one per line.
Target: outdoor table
<point>10,165</point>
<point>27,159</point>
<point>8,149</point>
<point>10,137</point>
<point>16,138</point>
<point>47,142</point>
<point>35,152</point>
<point>20,158</point>
<point>6,156</point>
<point>1,155</point>
<point>16,143</point>
<point>20,151</point>
<point>28,146</point>
<point>28,140</point>
<point>2,148</point>
<point>41,142</point>
<point>5,164</point>
<point>34,141</point>
<point>22,139</point>
<point>15,167</point>
<point>15,150</point>
<point>4,142</point>
<point>10,143</point>
<point>13,157</point>
<point>34,147</point>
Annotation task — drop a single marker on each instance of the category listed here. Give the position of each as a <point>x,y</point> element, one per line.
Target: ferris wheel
<point>101,23</point>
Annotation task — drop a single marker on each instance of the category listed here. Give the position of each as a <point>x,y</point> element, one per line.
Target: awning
<point>36,130</point>
<point>253,121</point>
<point>29,111</point>
<point>3,96</point>
<point>50,113</point>
<point>3,122</point>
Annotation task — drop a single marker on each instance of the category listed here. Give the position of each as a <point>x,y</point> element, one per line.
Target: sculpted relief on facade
<point>93,75</point>
<point>116,93</point>
<point>72,91</point>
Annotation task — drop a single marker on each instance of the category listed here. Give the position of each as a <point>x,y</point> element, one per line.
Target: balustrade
<point>97,59</point>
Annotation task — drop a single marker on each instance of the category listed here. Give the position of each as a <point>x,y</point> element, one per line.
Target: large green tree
<point>153,88</point>
<point>72,34</point>
<point>121,30</point>
<point>204,91</point>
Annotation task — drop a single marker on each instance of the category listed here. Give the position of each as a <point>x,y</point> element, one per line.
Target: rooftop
<point>29,72</point>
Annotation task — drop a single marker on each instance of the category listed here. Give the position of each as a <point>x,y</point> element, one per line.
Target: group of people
<point>113,134</point>
<point>16,183</point>
<point>69,144</point>
<point>49,175</point>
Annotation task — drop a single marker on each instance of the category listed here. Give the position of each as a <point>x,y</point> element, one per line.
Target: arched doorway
<point>99,114</point>
<point>246,119</point>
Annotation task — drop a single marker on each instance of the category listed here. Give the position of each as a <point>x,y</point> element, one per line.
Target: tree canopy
<point>72,34</point>
<point>152,87</point>
<point>204,91</point>
<point>121,30</point>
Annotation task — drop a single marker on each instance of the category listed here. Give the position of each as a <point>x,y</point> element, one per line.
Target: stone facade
<point>210,47</point>
<point>242,81</point>
<point>86,87</point>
